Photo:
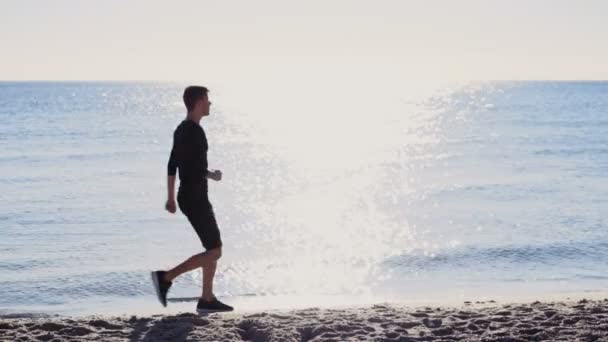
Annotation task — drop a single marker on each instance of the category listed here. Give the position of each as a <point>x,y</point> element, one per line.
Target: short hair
<point>193,94</point>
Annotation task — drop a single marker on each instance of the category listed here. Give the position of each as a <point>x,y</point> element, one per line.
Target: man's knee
<point>209,255</point>
<point>215,253</point>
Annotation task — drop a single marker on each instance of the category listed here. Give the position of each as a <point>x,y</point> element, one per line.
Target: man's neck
<point>194,118</point>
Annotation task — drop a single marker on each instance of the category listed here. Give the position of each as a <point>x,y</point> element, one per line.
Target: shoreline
<point>584,319</point>
<point>149,305</point>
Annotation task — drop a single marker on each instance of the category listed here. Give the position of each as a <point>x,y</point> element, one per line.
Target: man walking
<point>189,156</point>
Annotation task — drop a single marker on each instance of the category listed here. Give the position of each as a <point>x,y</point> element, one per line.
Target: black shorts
<point>194,203</point>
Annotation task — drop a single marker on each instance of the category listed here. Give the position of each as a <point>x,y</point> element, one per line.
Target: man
<point>189,155</point>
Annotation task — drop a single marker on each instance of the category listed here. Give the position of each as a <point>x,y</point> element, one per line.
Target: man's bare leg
<point>205,260</point>
<point>208,274</point>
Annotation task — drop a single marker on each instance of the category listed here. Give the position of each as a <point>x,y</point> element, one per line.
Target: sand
<point>585,320</point>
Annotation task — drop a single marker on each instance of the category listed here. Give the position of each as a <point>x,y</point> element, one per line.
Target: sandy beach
<point>584,320</point>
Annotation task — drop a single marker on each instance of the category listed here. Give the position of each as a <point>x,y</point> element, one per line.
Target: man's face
<point>203,105</point>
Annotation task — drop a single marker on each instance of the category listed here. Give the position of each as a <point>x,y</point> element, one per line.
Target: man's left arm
<point>216,175</point>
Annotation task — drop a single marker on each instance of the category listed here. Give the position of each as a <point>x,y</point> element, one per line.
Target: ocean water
<point>445,192</point>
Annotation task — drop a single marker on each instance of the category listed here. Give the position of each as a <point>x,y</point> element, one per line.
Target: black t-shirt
<point>189,154</point>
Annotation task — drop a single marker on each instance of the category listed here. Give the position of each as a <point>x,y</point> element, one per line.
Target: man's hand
<point>216,175</point>
<point>170,206</point>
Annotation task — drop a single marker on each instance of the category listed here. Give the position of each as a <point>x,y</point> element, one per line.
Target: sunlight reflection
<point>329,233</point>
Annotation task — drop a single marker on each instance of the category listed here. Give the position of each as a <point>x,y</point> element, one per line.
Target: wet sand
<point>584,320</point>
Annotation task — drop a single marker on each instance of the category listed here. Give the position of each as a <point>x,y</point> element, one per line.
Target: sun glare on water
<point>324,231</point>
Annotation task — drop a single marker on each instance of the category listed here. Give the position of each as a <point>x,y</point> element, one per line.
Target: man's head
<point>196,100</point>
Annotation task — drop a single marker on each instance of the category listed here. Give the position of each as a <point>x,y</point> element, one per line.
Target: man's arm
<point>171,188</point>
<point>216,175</point>
<point>171,172</point>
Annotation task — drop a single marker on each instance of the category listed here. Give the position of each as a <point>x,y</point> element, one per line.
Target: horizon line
<point>411,80</point>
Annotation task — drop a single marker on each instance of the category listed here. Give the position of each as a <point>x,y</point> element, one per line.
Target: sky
<point>312,40</point>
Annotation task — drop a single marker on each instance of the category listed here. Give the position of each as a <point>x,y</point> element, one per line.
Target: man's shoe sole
<point>208,311</point>
<point>155,281</point>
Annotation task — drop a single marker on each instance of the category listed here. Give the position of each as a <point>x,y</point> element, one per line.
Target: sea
<point>331,195</point>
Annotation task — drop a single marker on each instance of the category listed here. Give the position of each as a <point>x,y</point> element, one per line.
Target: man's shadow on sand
<point>168,328</point>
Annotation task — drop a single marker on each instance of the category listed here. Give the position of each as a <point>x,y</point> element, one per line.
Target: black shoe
<point>215,305</point>
<point>161,286</point>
